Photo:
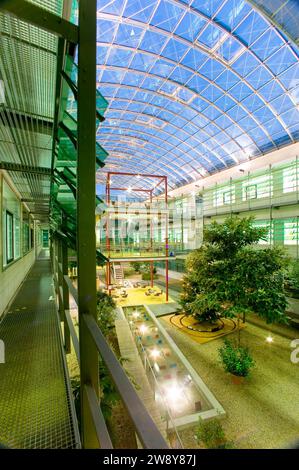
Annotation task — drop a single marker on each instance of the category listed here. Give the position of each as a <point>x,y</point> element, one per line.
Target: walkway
<point>34,401</point>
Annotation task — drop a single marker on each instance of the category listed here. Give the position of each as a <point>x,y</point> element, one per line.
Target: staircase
<point>118,273</point>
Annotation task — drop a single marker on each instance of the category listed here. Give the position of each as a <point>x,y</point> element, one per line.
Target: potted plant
<point>236,360</point>
<point>211,435</point>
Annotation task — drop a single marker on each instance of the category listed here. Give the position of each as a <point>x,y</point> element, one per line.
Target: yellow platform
<point>136,296</point>
<point>230,325</point>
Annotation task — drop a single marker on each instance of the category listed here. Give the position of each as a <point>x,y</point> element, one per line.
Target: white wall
<point>12,277</point>
<point>278,156</point>
<point>171,274</point>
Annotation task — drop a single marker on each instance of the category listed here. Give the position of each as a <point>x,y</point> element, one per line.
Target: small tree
<point>228,276</point>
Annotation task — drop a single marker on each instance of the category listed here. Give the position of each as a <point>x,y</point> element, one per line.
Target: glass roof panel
<point>167,16</point>
<point>229,49</point>
<point>211,83</point>
<point>232,13</point>
<point>189,26</point>
<point>252,27</point>
<point>208,7</point>
<point>140,10</point>
<point>174,50</point>
<point>211,35</point>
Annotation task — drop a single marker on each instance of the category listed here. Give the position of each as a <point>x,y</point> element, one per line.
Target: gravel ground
<point>264,411</point>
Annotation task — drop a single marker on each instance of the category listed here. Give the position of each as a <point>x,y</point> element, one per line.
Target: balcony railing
<point>148,434</point>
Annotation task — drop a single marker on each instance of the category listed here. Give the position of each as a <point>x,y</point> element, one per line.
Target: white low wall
<point>171,274</point>
<point>12,277</point>
<point>216,410</point>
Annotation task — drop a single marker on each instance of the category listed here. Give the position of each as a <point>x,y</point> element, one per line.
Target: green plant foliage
<point>75,384</point>
<point>144,269</point>
<point>105,312</point>
<point>236,359</point>
<point>108,394</point>
<point>136,266</point>
<point>292,279</point>
<point>211,434</point>
<point>229,276</point>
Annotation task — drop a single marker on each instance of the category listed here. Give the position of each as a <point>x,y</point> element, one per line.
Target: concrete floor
<point>263,412</point>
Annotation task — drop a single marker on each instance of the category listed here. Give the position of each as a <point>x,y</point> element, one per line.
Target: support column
<point>152,273</point>
<point>108,276</point>
<point>166,237</point>
<point>60,280</point>
<point>166,279</point>
<point>66,300</point>
<point>86,195</point>
<point>55,265</point>
<point>108,266</point>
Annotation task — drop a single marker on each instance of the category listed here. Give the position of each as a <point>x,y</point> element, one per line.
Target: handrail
<point>101,430</point>
<point>147,431</point>
<point>72,289</point>
<point>73,334</point>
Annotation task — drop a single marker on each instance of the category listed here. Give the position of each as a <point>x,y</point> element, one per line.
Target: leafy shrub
<point>236,359</point>
<point>136,266</point>
<point>211,434</point>
<point>105,312</point>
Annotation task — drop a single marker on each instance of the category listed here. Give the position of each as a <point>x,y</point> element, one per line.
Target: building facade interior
<point>131,132</point>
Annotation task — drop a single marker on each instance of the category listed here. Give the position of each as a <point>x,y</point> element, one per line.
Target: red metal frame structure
<point>109,188</point>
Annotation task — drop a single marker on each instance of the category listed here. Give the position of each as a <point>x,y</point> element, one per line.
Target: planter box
<point>237,379</point>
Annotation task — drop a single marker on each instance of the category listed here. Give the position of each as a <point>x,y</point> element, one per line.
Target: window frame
<point>249,187</point>
<point>9,216</point>
<point>224,195</point>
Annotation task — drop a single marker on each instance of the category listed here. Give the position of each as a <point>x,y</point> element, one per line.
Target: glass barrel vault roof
<point>195,86</point>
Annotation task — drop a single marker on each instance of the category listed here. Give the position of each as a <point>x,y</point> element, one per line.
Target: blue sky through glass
<point>193,86</point>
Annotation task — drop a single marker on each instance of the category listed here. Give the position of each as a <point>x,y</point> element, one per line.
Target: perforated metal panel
<point>34,402</point>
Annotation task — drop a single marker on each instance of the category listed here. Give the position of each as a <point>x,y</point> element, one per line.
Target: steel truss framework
<point>205,84</point>
<point>137,179</point>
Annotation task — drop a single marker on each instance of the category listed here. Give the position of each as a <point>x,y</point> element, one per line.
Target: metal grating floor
<point>35,409</point>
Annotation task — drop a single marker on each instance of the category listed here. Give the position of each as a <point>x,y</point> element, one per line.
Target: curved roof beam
<point>263,113</point>
<point>195,45</point>
<point>239,103</point>
<point>178,128</point>
<point>144,132</point>
<point>187,106</point>
<point>169,163</point>
<point>123,148</point>
<point>174,183</point>
<point>149,142</point>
